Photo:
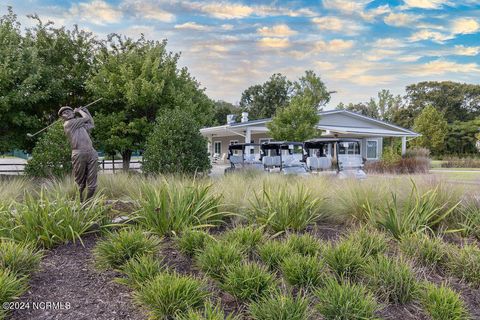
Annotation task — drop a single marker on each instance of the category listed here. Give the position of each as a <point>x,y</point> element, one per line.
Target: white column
<point>404,145</point>
<point>248,139</point>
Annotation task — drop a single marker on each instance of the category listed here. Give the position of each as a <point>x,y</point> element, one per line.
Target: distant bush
<point>176,145</point>
<point>51,156</point>
<point>455,162</point>
<point>415,160</point>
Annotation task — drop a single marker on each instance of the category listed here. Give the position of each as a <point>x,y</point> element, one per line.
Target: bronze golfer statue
<point>84,156</point>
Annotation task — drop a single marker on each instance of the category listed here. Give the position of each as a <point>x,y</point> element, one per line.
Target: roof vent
<point>244,116</point>
<point>230,118</point>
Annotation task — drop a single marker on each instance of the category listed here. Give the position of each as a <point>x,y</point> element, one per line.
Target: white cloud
<point>270,42</point>
<point>400,19</point>
<point>227,27</point>
<point>96,12</point>
<point>279,30</point>
<point>335,45</point>
<point>147,10</point>
<point>408,58</point>
<point>224,10</point>
<point>426,4</point>
<point>380,54</point>
<point>466,51</point>
<point>439,67</point>
<point>465,26</point>
<point>347,6</point>
<point>192,26</point>
<point>429,35</point>
<point>324,65</point>
<point>335,24</point>
<point>388,43</point>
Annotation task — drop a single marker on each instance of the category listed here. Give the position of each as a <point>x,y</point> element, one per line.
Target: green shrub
<point>304,244</point>
<point>217,257</point>
<point>470,220</point>
<point>371,242</point>
<point>303,271</point>
<point>20,258</point>
<point>50,219</point>
<point>11,288</point>
<point>170,295</point>
<point>465,264</point>
<point>428,251</point>
<point>140,269</point>
<point>192,241</point>
<point>284,208</point>
<point>175,207</point>
<point>248,281</point>
<point>119,247</point>
<point>344,259</point>
<point>345,301</point>
<point>278,306</point>
<point>420,212</point>
<point>247,237</point>
<point>442,303</point>
<point>183,149</point>
<point>52,154</point>
<point>392,279</point>
<point>209,312</point>
<point>272,253</point>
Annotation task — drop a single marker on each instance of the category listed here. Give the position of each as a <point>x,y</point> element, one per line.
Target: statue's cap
<point>63,109</point>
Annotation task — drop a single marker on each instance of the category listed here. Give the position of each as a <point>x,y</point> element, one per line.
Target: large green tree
<point>296,122</point>
<point>140,80</point>
<point>261,101</point>
<point>462,137</point>
<point>221,110</point>
<point>433,127</point>
<point>40,70</point>
<point>312,90</point>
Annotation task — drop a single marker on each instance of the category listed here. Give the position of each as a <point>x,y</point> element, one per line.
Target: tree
<point>51,156</point>
<point>433,127</point>
<point>462,137</point>
<point>261,101</point>
<point>297,122</point>
<point>39,71</point>
<point>221,110</point>
<point>176,145</point>
<point>458,101</point>
<point>312,89</point>
<point>139,80</point>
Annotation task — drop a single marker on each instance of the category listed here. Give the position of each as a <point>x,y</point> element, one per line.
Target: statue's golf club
<point>33,135</point>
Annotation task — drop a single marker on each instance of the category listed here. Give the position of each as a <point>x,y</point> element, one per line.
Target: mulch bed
<point>67,275</point>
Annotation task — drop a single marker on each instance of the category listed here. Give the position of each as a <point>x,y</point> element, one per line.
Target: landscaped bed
<point>242,247</point>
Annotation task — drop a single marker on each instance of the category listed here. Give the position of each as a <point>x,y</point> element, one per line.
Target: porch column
<point>404,145</point>
<point>248,139</point>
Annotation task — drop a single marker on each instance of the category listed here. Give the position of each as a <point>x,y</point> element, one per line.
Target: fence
<point>110,166</point>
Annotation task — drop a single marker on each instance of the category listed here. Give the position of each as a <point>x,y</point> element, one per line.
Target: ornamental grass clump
<point>285,208</point>
<point>345,301</point>
<point>280,306</point>
<point>140,269</point>
<point>465,264</point>
<point>428,251</point>
<point>273,252</point>
<point>170,295</point>
<point>421,212</point>
<point>344,259</point>
<point>303,271</point>
<point>50,219</point>
<point>173,207</point>
<point>247,237</point>
<point>304,244</point>
<point>392,279</point>
<point>119,247</point>
<point>442,303</point>
<point>11,288</point>
<point>209,312</point>
<point>20,258</point>
<point>217,257</point>
<point>370,241</point>
<point>248,281</point>
<point>192,241</point>
<point>470,219</point>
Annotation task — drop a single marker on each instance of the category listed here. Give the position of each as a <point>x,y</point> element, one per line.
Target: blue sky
<point>357,47</point>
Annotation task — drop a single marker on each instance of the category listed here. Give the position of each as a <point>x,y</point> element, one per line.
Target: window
<point>217,147</point>
<point>372,149</point>
<point>232,142</point>
<point>348,148</point>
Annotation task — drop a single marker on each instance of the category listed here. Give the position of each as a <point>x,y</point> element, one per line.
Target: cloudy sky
<point>357,47</point>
